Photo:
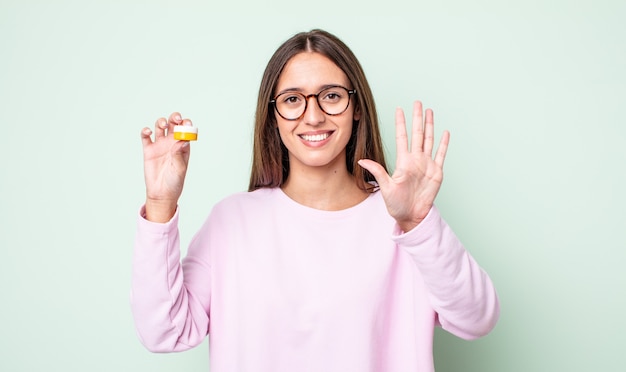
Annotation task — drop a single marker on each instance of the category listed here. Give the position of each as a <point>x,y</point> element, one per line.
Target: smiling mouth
<point>314,137</point>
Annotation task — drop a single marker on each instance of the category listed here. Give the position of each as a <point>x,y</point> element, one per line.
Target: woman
<point>328,263</point>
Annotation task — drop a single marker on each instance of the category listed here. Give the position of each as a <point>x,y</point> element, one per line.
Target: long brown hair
<point>270,163</point>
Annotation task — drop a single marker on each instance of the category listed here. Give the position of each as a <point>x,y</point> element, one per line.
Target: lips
<point>318,137</point>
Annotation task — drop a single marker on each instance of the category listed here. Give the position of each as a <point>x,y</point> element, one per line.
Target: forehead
<point>310,71</point>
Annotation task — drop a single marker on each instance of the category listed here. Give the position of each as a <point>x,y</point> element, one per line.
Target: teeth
<point>314,137</point>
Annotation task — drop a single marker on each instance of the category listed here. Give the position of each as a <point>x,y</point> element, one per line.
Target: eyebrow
<point>300,90</point>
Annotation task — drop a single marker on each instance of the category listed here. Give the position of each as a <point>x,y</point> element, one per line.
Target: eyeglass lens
<point>332,100</point>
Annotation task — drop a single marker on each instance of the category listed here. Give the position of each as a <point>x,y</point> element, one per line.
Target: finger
<point>402,142</point>
<point>440,156</point>
<point>377,170</point>
<point>159,128</point>
<point>174,119</point>
<point>429,133</point>
<point>417,128</point>
<point>145,136</point>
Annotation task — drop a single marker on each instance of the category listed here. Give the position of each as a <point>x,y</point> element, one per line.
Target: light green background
<point>533,93</point>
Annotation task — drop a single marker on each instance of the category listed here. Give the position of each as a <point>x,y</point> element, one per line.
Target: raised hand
<point>165,166</point>
<point>411,191</point>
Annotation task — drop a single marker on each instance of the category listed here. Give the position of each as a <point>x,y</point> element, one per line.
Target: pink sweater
<point>278,286</point>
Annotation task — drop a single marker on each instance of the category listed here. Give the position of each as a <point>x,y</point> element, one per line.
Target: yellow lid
<point>185,133</point>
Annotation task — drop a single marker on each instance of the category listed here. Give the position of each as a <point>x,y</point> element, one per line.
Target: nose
<point>313,115</point>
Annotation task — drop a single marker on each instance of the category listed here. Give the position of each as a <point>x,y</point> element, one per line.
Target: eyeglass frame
<point>306,101</point>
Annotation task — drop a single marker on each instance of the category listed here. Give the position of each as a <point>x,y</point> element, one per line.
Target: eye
<point>291,99</point>
<point>333,95</point>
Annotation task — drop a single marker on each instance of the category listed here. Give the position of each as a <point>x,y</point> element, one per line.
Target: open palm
<point>411,191</point>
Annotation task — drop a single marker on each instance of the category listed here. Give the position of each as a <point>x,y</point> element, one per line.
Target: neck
<point>323,188</point>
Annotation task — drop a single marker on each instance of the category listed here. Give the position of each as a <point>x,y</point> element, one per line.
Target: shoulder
<point>239,210</point>
<point>246,201</point>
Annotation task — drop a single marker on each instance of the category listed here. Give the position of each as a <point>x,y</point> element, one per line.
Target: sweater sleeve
<point>461,292</point>
<point>170,314</point>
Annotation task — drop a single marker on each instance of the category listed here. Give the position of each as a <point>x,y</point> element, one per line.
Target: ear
<point>357,114</point>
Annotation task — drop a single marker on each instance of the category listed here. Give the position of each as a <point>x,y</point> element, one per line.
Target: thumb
<point>377,170</point>
<point>180,153</point>
<point>179,148</point>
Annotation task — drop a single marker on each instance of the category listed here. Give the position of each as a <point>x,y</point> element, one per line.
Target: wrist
<point>407,226</point>
<point>411,222</point>
<point>161,211</point>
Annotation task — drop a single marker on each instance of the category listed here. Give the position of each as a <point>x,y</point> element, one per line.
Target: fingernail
<point>177,118</point>
<point>186,144</point>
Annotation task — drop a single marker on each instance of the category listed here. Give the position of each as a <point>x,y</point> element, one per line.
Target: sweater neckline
<point>338,213</point>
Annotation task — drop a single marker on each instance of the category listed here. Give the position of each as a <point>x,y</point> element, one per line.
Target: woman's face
<point>316,139</point>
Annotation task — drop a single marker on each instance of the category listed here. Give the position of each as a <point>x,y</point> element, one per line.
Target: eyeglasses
<point>333,100</point>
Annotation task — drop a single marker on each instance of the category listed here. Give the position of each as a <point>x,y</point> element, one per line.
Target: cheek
<point>347,134</point>
<point>284,130</point>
